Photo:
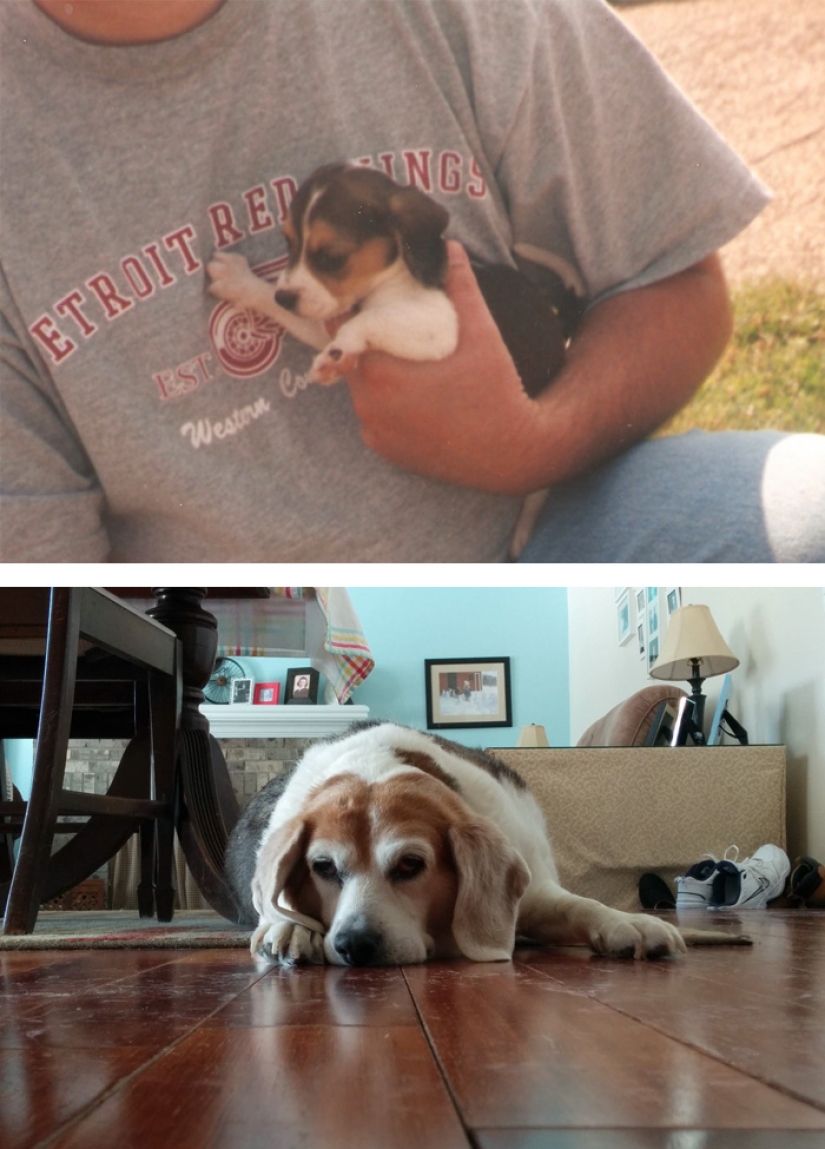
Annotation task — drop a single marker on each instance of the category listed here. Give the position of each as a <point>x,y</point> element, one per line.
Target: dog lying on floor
<point>368,249</point>
<point>388,846</point>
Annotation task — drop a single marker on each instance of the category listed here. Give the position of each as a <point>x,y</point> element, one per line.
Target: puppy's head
<point>396,871</point>
<point>350,228</point>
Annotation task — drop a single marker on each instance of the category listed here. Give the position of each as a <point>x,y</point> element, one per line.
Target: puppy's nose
<point>358,945</point>
<point>286,299</point>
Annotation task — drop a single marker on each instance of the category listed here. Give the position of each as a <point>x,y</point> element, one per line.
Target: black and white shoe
<point>751,883</point>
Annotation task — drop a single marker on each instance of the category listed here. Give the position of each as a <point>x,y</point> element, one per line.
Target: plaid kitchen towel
<point>265,627</point>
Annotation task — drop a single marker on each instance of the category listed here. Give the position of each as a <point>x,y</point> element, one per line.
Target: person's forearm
<point>637,358</point>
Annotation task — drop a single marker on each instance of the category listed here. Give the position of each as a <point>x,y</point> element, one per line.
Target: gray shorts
<point>702,497</point>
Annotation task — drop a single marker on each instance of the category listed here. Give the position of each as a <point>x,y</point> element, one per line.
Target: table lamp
<point>532,736</point>
<point>694,650</point>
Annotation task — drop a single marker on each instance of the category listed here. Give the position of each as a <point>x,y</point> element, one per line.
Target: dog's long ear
<point>279,856</point>
<point>492,876</point>
<point>420,223</point>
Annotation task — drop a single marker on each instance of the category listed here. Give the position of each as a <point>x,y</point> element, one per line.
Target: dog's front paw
<point>331,364</point>
<point>635,936</point>
<point>231,275</point>
<point>287,944</point>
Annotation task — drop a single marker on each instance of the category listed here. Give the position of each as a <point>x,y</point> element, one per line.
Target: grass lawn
<point>773,372</point>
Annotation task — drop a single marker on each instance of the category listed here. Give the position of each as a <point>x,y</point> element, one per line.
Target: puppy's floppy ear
<point>279,855</point>
<point>420,223</point>
<point>492,876</point>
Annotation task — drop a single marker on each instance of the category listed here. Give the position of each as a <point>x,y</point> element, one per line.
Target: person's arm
<point>637,358</point>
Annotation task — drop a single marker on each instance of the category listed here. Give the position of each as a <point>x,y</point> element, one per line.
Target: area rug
<point>124,929</point>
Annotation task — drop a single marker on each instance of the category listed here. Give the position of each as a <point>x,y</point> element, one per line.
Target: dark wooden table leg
<point>208,806</point>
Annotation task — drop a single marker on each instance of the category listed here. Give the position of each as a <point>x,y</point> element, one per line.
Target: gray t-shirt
<point>142,420</point>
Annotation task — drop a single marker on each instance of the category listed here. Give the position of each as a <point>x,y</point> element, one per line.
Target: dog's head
<point>350,228</point>
<point>395,871</point>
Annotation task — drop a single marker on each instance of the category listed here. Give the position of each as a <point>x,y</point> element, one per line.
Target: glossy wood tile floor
<point>558,1050</point>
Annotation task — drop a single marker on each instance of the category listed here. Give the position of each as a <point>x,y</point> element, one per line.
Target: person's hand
<point>465,419</point>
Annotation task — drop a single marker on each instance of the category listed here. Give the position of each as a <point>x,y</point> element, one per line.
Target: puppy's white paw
<point>288,944</point>
<point>332,363</point>
<point>622,935</point>
<point>341,354</point>
<point>232,278</point>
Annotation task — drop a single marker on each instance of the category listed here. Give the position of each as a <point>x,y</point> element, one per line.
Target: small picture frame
<point>302,684</point>
<point>267,693</point>
<point>467,693</point>
<point>241,691</point>
<point>685,725</point>
<point>663,725</point>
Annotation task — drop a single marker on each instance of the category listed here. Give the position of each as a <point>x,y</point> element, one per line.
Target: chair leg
<point>6,833</point>
<point>146,885</point>
<point>164,708</point>
<point>29,877</point>
<point>102,836</point>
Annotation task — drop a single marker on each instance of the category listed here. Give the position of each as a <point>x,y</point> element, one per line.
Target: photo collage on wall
<point>642,614</point>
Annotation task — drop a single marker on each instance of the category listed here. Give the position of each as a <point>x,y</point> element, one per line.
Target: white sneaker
<point>695,886</point>
<point>751,883</point>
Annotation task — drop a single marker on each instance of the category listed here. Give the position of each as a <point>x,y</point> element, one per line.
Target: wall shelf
<point>246,721</point>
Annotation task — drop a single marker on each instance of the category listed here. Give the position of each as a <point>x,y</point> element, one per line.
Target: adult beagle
<point>389,846</point>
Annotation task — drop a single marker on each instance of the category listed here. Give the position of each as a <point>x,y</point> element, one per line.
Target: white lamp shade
<point>693,636</point>
<point>532,736</point>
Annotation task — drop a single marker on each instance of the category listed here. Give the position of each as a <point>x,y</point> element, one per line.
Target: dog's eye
<point>409,866</point>
<point>328,262</point>
<point>325,868</point>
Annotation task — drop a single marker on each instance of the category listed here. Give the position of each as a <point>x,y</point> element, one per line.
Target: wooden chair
<point>76,662</point>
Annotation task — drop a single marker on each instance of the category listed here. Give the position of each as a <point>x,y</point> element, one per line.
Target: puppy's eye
<point>407,867</point>
<point>325,868</point>
<point>328,262</point>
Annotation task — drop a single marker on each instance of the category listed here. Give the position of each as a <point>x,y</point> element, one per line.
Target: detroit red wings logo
<point>246,343</point>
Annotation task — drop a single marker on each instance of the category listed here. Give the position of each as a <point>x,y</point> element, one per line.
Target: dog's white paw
<point>622,935</point>
<point>331,364</point>
<point>288,944</point>
<point>341,354</point>
<point>232,278</point>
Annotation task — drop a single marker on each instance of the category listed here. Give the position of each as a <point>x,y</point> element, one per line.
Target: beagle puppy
<point>388,846</point>
<point>362,246</point>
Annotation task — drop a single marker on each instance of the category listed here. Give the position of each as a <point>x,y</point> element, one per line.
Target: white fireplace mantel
<point>248,721</point>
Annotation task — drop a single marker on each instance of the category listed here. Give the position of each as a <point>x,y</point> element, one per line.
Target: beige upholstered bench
<point>616,812</point>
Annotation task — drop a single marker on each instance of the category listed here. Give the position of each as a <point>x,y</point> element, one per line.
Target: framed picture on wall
<point>623,617</point>
<point>673,599</point>
<point>463,693</point>
<point>652,625</point>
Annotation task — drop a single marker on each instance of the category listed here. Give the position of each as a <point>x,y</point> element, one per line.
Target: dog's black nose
<point>358,945</point>
<point>287,299</point>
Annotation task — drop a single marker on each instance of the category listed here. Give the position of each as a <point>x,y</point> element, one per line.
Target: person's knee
<point>793,499</point>
<point>735,496</point>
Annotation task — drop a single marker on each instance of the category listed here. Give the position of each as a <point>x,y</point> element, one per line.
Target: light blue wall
<point>19,757</point>
<point>406,625</point>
